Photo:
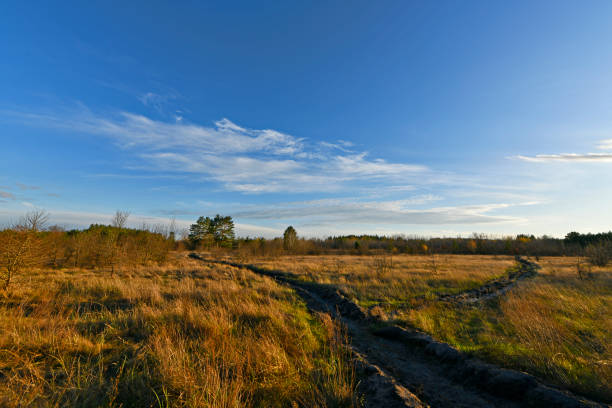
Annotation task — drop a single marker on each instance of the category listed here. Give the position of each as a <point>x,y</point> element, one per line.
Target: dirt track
<point>403,368</point>
<point>496,287</point>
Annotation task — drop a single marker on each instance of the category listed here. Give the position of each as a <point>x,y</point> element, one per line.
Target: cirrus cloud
<point>568,157</point>
<point>240,159</point>
<point>573,157</point>
<point>395,212</point>
<point>605,144</point>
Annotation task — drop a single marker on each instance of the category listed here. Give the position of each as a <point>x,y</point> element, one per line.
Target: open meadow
<point>182,334</point>
<point>328,204</point>
<point>555,325</point>
<point>122,317</point>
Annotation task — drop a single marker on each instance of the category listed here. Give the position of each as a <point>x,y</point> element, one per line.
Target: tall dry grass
<point>386,279</point>
<point>184,335</point>
<point>557,325</point>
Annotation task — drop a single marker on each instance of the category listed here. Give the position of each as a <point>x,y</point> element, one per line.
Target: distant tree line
<point>370,244</point>
<point>476,244</point>
<point>597,247</point>
<point>585,240</point>
<point>480,244</point>
<point>30,243</point>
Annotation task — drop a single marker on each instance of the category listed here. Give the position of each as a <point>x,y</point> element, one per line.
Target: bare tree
<point>78,245</point>
<point>434,265</point>
<point>172,228</point>
<point>112,250</point>
<point>20,246</point>
<point>383,264</point>
<point>56,244</point>
<point>34,220</point>
<point>15,246</point>
<point>184,234</point>
<point>120,219</point>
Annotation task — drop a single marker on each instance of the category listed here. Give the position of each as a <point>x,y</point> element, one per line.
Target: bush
<point>599,254</point>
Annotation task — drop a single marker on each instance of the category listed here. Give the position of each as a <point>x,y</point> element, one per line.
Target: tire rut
<point>406,368</point>
<point>496,287</point>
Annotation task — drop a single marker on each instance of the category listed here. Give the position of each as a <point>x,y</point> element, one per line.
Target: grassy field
<point>556,325</point>
<point>183,335</point>
<point>394,280</point>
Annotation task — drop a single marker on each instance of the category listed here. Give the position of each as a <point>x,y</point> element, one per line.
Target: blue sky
<point>412,117</point>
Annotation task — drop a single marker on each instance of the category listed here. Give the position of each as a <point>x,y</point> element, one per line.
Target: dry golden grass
<point>184,335</point>
<point>393,279</point>
<point>556,325</point>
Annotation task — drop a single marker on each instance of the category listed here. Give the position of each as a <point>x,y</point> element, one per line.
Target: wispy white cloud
<point>254,161</point>
<point>137,131</point>
<point>398,212</point>
<point>359,165</point>
<point>341,145</point>
<point>27,187</point>
<point>573,157</point>
<point>568,157</point>
<point>605,145</point>
<point>25,194</point>
<point>151,98</point>
<point>159,100</point>
<point>242,159</point>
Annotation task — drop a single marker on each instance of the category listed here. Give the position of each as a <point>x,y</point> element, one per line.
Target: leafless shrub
<point>19,249</point>
<point>120,219</point>
<point>434,265</point>
<point>383,264</point>
<point>34,220</point>
<point>599,254</point>
<point>583,269</point>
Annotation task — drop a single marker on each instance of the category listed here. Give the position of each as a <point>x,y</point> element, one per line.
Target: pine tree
<point>289,238</point>
<point>223,228</point>
<point>202,232</point>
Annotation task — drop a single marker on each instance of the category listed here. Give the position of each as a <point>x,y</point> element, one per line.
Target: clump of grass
<point>178,335</point>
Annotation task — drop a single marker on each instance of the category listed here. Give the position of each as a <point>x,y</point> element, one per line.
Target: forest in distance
<point>31,242</point>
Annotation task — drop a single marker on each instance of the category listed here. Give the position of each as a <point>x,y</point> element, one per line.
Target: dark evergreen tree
<point>202,232</point>
<point>289,238</point>
<point>223,231</point>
